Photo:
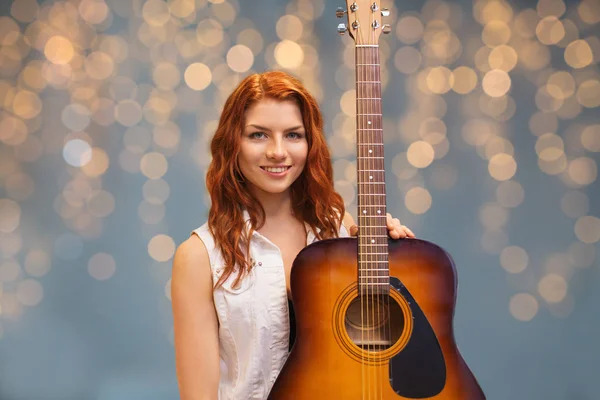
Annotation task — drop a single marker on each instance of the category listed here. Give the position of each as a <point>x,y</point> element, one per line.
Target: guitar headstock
<point>364,21</point>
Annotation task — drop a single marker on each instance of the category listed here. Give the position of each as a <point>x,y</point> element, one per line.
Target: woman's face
<point>273,148</point>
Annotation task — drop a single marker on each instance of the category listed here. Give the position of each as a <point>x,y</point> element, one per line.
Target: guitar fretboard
<point>373,269</point>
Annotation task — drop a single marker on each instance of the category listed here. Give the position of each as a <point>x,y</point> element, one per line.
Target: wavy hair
<point>314,199</point>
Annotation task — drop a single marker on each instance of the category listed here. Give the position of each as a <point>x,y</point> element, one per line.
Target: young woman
<point>271,186</point>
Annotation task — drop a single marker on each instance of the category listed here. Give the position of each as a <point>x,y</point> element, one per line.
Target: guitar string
<point>367,261</point>
<point>358,74</point>
<point>373,227</point>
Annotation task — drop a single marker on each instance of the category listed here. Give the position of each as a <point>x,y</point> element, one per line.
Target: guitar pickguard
<point>419,370</point>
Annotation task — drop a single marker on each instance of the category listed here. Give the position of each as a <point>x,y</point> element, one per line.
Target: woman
<point>271,186</point>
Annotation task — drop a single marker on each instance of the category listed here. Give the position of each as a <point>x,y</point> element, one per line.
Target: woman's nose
<point>277,149</point>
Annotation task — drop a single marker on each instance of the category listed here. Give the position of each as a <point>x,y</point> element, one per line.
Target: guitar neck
<point>373,271</point>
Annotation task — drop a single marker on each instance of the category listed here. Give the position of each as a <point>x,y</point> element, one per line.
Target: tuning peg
<point>386,28</point>
<point>340,12</point>
<point>342,29</point>
<point>385,12</point>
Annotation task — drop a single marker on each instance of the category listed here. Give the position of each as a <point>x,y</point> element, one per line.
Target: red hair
<point>314,199</point>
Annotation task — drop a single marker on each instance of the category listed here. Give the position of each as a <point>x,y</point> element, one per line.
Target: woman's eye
<point>255,135</point>
<point>295,135</point>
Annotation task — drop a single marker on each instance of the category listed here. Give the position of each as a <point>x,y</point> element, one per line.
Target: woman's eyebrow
<point>268,130</point>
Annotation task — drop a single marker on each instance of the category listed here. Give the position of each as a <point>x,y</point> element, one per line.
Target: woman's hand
<point>395,229</point>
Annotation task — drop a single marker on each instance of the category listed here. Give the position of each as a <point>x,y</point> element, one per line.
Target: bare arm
<point>349,224</point>
<point>195,322</point>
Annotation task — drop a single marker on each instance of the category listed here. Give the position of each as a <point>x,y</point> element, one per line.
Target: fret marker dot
<point>372,240</point>
<point>364,211</point>
<point>378,211</point>
<point>369,122</point>
<point>370,151</point>
<point>370,176</point>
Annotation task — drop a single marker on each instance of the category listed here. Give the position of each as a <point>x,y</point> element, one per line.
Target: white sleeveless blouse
<point>254,324</point>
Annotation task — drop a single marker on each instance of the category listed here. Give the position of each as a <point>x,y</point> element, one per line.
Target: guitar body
<point>334,358</point>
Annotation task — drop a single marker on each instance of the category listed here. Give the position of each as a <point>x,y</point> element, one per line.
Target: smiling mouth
<point>276,169</point>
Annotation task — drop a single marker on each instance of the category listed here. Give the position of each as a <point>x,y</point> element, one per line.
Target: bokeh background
<point>107,107</point>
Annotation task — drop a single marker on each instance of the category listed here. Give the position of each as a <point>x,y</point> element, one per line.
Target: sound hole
<point>375,322</point>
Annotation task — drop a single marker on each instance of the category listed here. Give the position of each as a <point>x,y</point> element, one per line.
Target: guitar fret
<point>372,269</point>
<point>368,82</point>
<point>375,254</point>
<point>368,98</point>
<point>371,170</point>
<point>378,283</point>
<point>373,277</point>
<point>367,114</point>
<point>370,157</point>
<point>367,45</point>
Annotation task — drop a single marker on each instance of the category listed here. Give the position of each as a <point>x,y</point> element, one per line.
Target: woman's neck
<point>277,206</point>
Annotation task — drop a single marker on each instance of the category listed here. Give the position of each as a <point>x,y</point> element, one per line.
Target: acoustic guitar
<point>374,315</point>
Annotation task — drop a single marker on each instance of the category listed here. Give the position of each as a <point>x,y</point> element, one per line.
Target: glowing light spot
<point>418,200</point>
<point>98,164</point>
<point>496,83</point>
<point>10,271</point>
<point>209,32</point>
<point>26,104</point>
<point>156,12</point>
<point>161,248</point>
<point>154,165</point>
<point>240,58</point>
<point>583,170</point>
<point>409,29</point>
<point>420,154</point>
<point>59,50</point>
<point>76,117</point>
<point>575,204</point>
<point>128,112</point>
<point>463,80</point>
<point>198,76</point>
<point>37,263</point>
<point>77,152</point>
<point>587,229</point>
<point>10,215</point>
<point>514,259</point>
<point>550,30</point>
<point>102,266</point>
<point>101,204</point>
<point>553,288</point>
<point>523,306</point>
<point>502,167</point>
<point>503,57</point>
<point>289,54</point>
<point>166,76</point>
<point>590,137</point>
<point>588,94</point>
<point>495,33</point>
<point>407,59</point>
<point>578,54</point>
<point>493,216</point>
<point>93,11</point>
<point>510,194</point>
<point>439,80</point>
<point>289,27</point>
<point>29,292</point>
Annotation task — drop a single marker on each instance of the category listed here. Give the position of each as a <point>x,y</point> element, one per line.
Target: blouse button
<point>259,263</point>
